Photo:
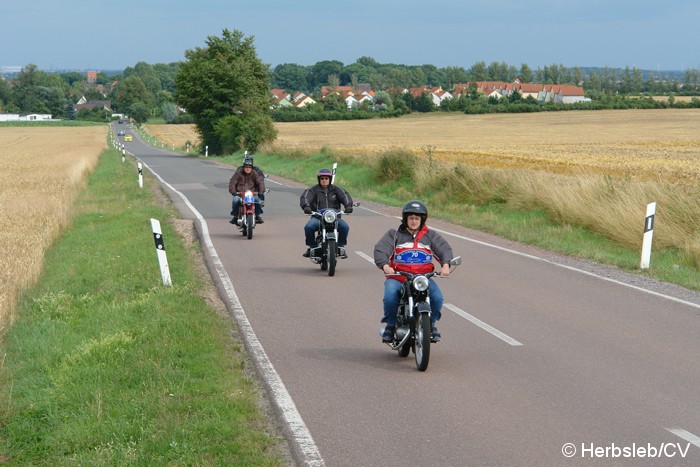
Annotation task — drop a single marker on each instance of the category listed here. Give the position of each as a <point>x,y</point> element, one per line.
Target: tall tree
<point>478,72</point>
<point>225,87</point>
<point>319,73</point>
<point>525,73</point>
<point>130,91</point>
<point>290,77</point>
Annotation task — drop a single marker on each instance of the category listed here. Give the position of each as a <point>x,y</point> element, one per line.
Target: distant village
<point>355,96</point>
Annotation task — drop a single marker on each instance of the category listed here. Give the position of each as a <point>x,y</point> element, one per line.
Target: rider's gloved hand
<point>348,209</point>
<point>307,210</point>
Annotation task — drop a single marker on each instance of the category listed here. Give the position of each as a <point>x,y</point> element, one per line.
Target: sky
<point>105,35</point>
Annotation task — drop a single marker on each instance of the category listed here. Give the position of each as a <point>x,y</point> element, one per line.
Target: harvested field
<point>42,169</point>
<point>652,144</point>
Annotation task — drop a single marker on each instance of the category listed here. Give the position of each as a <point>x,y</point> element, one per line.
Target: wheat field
<point>654,144</point>
<point>42,169</point>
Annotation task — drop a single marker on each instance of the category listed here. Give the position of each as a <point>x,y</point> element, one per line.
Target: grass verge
<point>106,366</point>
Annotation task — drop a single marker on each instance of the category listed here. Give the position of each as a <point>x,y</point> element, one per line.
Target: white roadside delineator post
<point>140,175</point>
<point>160,250</point>
<point>648,234</point>
<point>335,167</point>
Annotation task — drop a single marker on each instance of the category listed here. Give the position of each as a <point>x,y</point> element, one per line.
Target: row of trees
<point>143,90</point>
<point>309,79</point>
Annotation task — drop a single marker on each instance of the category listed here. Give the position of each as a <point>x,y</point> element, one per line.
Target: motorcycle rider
<point>322,196</point>
<point>261,195</point>
<point>411,248</point>
<point>245,178</point>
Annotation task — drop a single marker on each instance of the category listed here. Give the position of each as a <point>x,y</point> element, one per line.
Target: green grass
<point>388,182</point>
<point>106,366</point>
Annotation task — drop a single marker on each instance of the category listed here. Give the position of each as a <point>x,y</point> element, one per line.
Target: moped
<point>245,219</point>
<point>326,252</point>
<point>413,330</point>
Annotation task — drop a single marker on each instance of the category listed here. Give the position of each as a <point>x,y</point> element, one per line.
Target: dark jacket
<point>316,198</point>
<point>240,182</point>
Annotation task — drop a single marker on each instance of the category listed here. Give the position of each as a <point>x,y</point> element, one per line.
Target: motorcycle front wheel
<point>249,222</point>
<point>421,343</point>
<point>330,252</point>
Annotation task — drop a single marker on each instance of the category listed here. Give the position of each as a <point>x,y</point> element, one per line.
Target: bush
<point>396,165</point>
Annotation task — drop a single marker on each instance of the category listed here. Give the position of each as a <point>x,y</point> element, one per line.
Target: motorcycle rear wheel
<point>421,342</point>
<point>330,253</point>
<point>249,223</point>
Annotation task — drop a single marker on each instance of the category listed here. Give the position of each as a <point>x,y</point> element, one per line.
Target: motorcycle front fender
<point>423,308</point>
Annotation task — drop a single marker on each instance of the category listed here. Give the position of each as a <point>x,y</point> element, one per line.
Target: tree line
<point>148,90</point>
<point>595,80</point>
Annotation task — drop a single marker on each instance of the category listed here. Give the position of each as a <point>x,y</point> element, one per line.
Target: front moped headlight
<point>421,284</point>
<point>329,216</point>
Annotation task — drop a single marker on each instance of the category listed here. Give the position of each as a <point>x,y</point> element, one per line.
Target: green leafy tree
<point>5,95</point>
<point>169,112</point>
<point>478,72</point>
<point>148,76</point>
<point>140,112</point>
<point>26,90</point>
<point>319,73</point>
<point>383,101</point>
<point>290,77</point>
<point>525,73</point>
<point>130,91</point>
<point>424,103</point>
<point>227,80</point>
<point>69,112</point>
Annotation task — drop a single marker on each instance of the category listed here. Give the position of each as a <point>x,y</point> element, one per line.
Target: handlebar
<point>338,211</point>
<point>411,275</point>
<point>456,261</point>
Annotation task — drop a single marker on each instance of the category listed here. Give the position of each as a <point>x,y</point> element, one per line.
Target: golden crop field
<point>640,143</point>
<point>42,169</point>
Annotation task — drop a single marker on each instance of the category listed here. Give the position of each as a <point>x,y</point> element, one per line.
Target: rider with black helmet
<point>425,245</point>
<point>325,195</point>
<point>245,178</point>
<point>248,160</point>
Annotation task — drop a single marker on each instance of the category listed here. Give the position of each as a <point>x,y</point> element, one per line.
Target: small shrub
<point>396,165</point>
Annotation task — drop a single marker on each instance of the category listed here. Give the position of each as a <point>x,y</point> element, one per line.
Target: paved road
<point>536,353</point>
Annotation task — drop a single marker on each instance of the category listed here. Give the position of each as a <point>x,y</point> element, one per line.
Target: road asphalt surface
<point>545,360</point>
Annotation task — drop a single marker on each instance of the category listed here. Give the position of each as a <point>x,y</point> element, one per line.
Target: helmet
<point>323,173</point>
<point>248,161</point>
<point>415,207</point>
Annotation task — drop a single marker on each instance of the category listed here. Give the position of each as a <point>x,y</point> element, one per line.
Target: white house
<point>25,117</point>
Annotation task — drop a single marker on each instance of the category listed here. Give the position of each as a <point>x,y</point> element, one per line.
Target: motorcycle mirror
<point>456,261</point>
<point>356,204</point>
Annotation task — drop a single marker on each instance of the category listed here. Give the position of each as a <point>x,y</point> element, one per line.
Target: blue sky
<point>115,34</point>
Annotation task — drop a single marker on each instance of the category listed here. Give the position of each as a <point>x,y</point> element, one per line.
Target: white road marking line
<point>362,255</point>
<point>571,268</point>
<point>486,327</point>
<point>288,410</point>
<point>686,435</point>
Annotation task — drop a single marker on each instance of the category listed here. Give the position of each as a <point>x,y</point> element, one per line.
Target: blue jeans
<point>236,204</point>
<point>312,226</point>
<point>392,295</point>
